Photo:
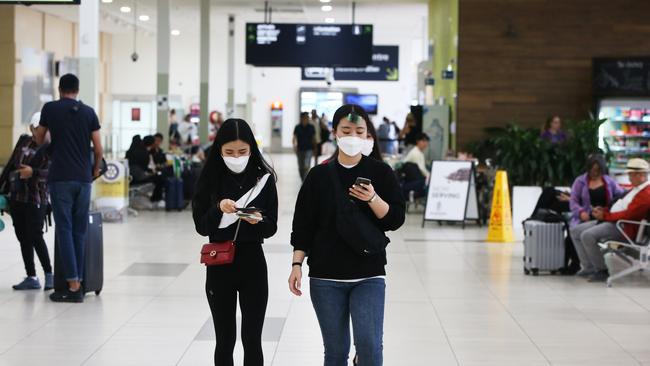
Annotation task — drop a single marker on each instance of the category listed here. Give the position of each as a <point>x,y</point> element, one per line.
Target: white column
<point>162,80</point>
<point>89,52</point>
<point>230,106</point>
<point>205,70</point>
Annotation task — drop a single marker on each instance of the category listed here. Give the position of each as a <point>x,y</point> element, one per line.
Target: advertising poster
<point>449,187</point>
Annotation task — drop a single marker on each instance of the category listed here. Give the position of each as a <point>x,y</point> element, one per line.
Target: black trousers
<point>247,276</point>
<point>28,220</point>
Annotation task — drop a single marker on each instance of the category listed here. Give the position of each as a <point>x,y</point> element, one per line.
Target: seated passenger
<point>416,155</point>
<point>635,206</point>
<point>142,168</point>
<point>593,189</point>
<point>414,182</point>
<point>157,152</point>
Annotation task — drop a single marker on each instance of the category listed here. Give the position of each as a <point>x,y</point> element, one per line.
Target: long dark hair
<point>215,169</point>
<point>597,159</point>
<point>353,109</point>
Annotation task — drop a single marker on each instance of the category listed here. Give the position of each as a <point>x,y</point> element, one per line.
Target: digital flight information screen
<point>296,45</point>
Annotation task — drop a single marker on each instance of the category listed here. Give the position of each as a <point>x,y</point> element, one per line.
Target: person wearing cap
<point>73,126</point>
<point>28,203</point>
<point>634,206</point>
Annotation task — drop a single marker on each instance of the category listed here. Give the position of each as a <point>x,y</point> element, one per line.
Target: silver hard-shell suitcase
<point>543,246</point>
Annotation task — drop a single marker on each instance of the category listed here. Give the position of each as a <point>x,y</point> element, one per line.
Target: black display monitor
<point>297,45</point>
<point>42,2</point>
<point>369,102</point>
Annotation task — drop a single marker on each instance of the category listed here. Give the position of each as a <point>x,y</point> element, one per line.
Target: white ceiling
<point>184,13</point>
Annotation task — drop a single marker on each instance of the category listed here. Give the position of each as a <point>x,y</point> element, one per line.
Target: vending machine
<point>622,97</point>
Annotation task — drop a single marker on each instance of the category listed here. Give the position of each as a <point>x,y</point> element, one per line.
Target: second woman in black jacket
<point>236,175</point>
<point>346,286</point>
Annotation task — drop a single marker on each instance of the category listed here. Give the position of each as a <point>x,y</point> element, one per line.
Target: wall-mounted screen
<point>296,45</point>
<point>367,101</point>
<point>322,101</point>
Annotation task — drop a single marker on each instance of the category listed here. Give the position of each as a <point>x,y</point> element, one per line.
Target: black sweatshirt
<point>314,227</point>
<point>207,215</point>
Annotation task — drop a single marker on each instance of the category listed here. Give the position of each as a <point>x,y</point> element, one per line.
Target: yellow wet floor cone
<point>500,229</point>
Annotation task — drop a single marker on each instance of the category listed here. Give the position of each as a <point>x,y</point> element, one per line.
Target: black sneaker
<point>600,276</point>
<point>67,296</point>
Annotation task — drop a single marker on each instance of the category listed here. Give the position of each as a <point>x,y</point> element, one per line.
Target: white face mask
<point>368,145</point>
<point>350,145</point>
<point>236,165</point>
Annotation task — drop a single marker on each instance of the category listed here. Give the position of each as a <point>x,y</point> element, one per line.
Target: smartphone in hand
<point>250,216</point>
<point>249,210</point>
<point>361,180</point>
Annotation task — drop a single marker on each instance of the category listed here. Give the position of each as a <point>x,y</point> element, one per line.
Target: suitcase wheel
<point>98,292</point>
<point>526,271</point>
<point>535,271</point>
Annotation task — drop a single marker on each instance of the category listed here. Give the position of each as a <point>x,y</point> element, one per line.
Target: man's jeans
<point>335,303</point>
<point>304,162</point>
<point>70,205</point>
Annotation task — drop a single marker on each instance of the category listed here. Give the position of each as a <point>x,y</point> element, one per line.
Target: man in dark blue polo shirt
<point>304,142</point>
<point>72,126</point>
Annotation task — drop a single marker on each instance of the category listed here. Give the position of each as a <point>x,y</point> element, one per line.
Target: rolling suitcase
<point>543,246</point>
<point>174,199</point>
<point>93,278</point>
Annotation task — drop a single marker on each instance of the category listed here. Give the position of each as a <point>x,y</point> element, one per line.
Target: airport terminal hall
<point>325,183</point>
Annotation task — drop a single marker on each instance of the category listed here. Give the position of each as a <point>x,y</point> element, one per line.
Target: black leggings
<point>28,220</point>
<point>248,277</point>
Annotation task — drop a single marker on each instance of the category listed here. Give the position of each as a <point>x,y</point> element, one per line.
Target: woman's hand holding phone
<point>362,192</point>
<point>227,206</point>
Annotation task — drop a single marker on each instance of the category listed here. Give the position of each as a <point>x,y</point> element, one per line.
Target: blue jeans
<point>335,303</point>
<point>70,205</point>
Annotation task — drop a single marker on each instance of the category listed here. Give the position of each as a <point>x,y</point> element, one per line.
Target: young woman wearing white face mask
<point>370,146</point>
<point>235,176</point>
<point>345,283</point>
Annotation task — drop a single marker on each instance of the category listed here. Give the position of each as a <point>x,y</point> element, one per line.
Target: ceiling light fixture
<point>325,1</point>
<point>125,9</point>
<point>144,18</point>
<point>326,8</point>
<point>107,1</point>
<point>176,32</point>
<point>329,20</point>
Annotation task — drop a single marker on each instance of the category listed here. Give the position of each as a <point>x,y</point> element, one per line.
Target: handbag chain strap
<point>239,221</point>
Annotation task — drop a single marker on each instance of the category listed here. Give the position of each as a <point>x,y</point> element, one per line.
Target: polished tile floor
<point>452,300</point>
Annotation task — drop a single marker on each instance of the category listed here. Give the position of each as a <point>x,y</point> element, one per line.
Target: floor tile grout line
<point>277,345</point>
<point>154,297</point>
<point>70,306</point>
<point>505,307</point>
<point>598,326</point>
<point>430,301</point>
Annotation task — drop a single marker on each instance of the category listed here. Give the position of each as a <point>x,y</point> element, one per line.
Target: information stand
<point>452,195</point>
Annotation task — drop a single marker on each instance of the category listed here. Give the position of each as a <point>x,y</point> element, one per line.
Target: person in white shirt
<point>416,155</point>
<point>188,131</point>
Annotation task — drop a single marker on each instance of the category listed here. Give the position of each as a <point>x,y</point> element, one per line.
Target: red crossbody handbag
<point>217,254</point>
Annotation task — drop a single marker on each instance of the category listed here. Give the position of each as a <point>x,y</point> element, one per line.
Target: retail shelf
<point>630,150</point>
<point>630,135</point>
<point>629,121</point>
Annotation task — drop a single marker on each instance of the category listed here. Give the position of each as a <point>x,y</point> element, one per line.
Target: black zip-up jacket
<point>207,215</point>
<point>314,225</point>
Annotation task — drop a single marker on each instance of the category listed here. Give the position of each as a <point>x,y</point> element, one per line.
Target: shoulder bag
<point>220,253</point>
